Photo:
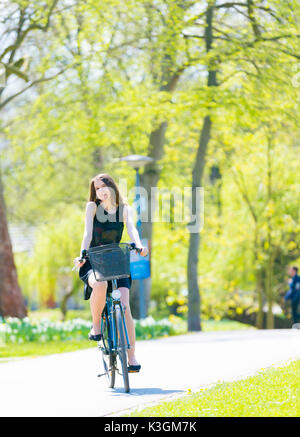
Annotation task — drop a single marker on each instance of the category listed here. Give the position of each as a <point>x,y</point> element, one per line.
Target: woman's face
<point>102,190</point>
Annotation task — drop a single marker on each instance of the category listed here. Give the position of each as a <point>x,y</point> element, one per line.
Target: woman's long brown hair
<point>109,182</point>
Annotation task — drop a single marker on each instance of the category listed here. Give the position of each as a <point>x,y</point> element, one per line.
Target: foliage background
<point>105,105</point>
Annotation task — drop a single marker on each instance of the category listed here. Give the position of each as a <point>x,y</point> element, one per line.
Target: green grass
<point>223,325</point>
<point>273,392</point>
<point>32,349</point>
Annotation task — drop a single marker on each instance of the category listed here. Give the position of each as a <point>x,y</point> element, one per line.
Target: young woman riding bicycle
<point>106,213</point>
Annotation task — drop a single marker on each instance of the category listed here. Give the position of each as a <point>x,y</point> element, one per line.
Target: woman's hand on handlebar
<point>144,251</point>
<point>78,262</point>
<point>141,250</point>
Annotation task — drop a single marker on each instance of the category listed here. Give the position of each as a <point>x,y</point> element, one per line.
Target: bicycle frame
<point>110,313</point>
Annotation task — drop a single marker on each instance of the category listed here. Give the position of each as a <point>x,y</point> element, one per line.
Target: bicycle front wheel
<point>108,356</point>
<point>122,348</point>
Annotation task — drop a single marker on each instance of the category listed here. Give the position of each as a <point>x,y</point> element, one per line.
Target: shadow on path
<point>144,391</point>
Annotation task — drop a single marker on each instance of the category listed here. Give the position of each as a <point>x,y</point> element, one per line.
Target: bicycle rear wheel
<point>108,356</point>
<point>122,348</point>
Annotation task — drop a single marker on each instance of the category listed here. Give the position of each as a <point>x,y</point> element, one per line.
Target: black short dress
<point>107,228</point>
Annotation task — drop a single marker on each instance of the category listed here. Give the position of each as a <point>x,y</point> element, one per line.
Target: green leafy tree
<point>20,19</point>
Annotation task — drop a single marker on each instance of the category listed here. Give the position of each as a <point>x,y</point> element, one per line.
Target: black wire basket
<point>111,261</point>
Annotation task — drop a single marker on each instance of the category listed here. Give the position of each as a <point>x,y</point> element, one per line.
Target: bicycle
<point>112,261</point>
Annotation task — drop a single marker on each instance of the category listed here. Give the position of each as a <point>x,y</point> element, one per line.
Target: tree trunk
<point>269,273</point>
<point>64,302</point>
<point>194,320</point>
<point>216,181</point>
<point>259,280</point>
<point>11,299</point>
<point>269,292</point>
<point>194,323</point>
<point>194,301</point>
<point>260,298</point>
<point>259,291</point>
<point>151,174</point>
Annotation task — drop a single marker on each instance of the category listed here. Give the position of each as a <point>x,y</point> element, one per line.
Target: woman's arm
<point>88,232</point>
<point>88,228</point>
<point>132,230</point>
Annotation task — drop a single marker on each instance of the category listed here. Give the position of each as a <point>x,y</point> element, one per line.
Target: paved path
<point>67,384</point>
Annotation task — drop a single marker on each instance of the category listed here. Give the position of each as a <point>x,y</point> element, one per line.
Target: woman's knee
<point>125,297</point>
<point>98,292</point>
<point>100,286</point>
<point>97,285</point>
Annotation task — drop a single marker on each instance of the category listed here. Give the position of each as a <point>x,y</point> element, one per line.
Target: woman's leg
<point>130,325</point>
<point>97,302</point>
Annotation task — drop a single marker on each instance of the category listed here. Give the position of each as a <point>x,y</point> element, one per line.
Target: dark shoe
<point>95,337</point>
<point>134,369</point>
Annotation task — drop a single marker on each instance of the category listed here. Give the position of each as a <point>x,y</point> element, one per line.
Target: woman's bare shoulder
<point>127,209</point>
<point>91,207</point>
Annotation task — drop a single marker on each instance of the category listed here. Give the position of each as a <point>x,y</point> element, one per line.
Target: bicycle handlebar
<point>133,247</point>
